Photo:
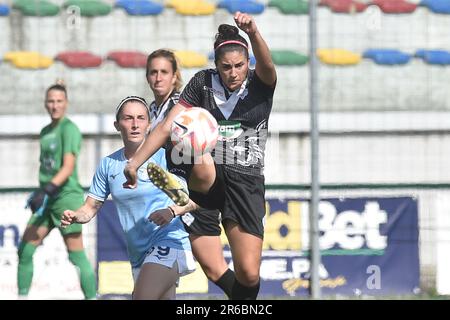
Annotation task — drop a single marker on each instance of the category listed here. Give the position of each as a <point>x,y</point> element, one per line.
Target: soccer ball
<point>194,131</point>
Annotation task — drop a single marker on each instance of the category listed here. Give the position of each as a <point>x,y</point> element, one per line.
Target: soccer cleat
<point>168,183</point>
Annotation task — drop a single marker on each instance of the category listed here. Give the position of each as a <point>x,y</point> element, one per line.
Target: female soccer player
<point>59,189</point>
<point>242,98</point>
<point>158,245</point>
<point>164,78</point>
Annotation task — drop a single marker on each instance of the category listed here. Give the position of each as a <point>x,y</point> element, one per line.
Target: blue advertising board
<point>368,246</point>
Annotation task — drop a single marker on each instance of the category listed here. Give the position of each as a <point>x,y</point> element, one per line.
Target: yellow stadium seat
<point>338,56</point>
<point>173,3</point>
<point>191,59</point>
<point>28,60</point>
<point>192,7</point>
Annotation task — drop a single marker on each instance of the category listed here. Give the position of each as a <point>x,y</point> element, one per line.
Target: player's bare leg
<point>156,282</point>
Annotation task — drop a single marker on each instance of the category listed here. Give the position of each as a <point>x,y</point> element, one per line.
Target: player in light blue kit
<point>158,245</point>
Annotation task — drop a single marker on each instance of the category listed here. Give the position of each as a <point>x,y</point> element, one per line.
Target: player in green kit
<point>60,144</point>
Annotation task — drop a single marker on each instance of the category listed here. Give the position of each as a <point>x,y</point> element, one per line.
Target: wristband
<point>51,189</point>
<point>173,212</point>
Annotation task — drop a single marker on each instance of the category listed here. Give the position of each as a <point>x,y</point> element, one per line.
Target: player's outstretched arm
<point>264,67</point>
<point>82,215</point>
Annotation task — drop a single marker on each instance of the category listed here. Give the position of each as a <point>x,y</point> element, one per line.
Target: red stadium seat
<point>79,59</point>
<point>395,6</point>
<point>344,6</point>
<point>128,59</point>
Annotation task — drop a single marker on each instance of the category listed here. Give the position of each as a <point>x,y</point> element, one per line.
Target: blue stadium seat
<point>4,10</point>
<point>437,6</point>
<point>247,6</point>
<point>440,57</point>
<point>387,56</point>
<point>140,7</point>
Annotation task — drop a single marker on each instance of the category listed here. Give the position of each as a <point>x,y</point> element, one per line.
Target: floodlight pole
<point>314,284</point>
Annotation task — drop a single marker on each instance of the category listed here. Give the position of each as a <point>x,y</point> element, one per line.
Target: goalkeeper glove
<point>38,199</point>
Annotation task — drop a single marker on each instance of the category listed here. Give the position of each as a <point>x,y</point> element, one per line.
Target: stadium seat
<point>90,8</point>
<point>140,7</point>
<point>288,58</point>
<point>439,57</point>
<point>28,60</point>
<point>173,3</point>
<point>128,59</point>
<point>191,59</point>
<point>4,10</point>
<point>79,59</point>
<point>290,6</point>
<point>246,6</point>
<point>387,56</point>
<point>344,6</point>
<point>36,8</point>
<point>395,6</point>
<point>192,7</point>
<point>339,57</point>
<point>437,6</point>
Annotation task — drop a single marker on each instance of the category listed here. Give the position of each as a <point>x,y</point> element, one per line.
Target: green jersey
<point>55,142</point>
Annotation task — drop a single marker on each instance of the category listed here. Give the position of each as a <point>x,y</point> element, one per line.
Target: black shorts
<point>181,170</point>
<point>202,222</point>
<point>239,197</point>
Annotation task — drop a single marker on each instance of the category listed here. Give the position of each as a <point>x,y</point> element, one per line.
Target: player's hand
<point>245,22</point>
<point>37,201</point>
<point>162,217</point>
<point>131,176</point>
<point>68,218</point>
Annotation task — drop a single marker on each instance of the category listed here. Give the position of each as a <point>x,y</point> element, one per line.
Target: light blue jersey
<point>134,206</point>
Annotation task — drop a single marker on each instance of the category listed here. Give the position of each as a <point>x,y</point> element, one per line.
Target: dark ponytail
<point>229,39</point>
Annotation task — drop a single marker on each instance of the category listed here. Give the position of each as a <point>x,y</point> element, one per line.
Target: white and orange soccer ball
<point>194,131</point>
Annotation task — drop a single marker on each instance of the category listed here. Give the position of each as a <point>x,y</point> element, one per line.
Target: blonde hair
<point>170,56</point>
<point>59,85</point>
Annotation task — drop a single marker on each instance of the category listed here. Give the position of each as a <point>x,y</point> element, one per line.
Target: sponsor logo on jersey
<point>229,130</point>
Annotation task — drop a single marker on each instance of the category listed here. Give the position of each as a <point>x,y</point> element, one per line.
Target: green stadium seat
<point>36,8</point>
<point>90,8</point>
<point>28,60</point>
<point>340,57</point>
<point>288,58</point>
<point>79,59</point>
<point>290,6</point>
<point>128,59</point>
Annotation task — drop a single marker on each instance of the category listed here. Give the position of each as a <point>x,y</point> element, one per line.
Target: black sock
<point>226,282</point>
<point>241,292</point>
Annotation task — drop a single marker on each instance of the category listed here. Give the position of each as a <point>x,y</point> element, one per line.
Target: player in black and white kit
<point>164,79</point>
<point>241,101</point>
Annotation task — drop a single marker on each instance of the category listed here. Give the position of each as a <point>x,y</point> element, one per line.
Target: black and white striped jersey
<point>158,113</point>
<point>242,115</point>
